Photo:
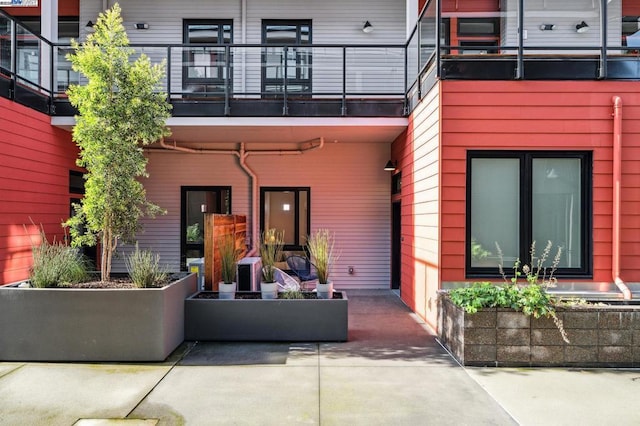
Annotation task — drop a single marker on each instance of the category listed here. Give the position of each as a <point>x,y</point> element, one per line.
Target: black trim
<point>297,190</point>
<point>525,204</point>
<point>183,215</point>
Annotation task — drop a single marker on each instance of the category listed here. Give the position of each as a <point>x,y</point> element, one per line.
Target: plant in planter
<point>321,248</point>
<point>530,297</point>
<point>271,245</point>
<point>56,264</point>
<point>229,254</point>
<point>145,270</point>
<point>121,109</point>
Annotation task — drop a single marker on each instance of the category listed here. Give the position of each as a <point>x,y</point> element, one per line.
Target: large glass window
<point>292,64</point>
<point>205,67</point>
<point>286,209</point>
<point>518,198</point>
<point>195,202</point>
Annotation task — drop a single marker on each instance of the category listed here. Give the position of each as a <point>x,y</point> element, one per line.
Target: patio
<point>392,371</point>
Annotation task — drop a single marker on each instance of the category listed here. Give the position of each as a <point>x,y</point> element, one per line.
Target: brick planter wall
<point>601,336</point>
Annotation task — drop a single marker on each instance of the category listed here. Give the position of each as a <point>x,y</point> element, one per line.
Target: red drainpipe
<point>617,179</point>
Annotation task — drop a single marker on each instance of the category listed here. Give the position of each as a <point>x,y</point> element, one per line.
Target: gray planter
<point>266,320</point>
<point>600,336</point>
<point>92,324</point>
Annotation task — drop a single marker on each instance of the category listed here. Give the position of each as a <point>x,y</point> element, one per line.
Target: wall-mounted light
<point>547,27</point>
<point>141,26</point>
<point>286,207</point>
<point>582,27</point>
<point>203,208</point>
<point>367,27</point>
<point>390,166</point>
<point>90,26</point>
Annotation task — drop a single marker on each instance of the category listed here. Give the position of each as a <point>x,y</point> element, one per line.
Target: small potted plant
<point>321,249</point>
<point>271,245</point>
<point>229,253</point>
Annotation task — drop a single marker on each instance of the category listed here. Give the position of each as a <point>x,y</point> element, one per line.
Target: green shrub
<point>144,269</point>
<point>57,264</point>
<point>271,245</point>
<point>530,297</point>
<point>291,294</point>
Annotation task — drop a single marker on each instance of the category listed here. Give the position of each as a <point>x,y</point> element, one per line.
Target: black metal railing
<point>337,80</point>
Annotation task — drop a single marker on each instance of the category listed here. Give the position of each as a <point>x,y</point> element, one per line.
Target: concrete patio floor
<point>392,371</point>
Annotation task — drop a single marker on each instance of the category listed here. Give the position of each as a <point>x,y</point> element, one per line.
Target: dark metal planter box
<point>600,336</point>
<point>266,320</point>
<point>92,324</point>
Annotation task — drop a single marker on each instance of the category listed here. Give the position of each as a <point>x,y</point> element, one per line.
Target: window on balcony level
<point>205,67</point>
<point>282,64</point>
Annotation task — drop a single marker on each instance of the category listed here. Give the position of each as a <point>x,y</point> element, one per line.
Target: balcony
<point>466,40</point>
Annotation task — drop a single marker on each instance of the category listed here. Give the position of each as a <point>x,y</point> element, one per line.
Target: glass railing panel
<point>28,52</point>
<point>63,75</point>
<point>157,55</point>
<point>427,33</point>
<point>568,28</point>
<point>377,71</point>
<point>412,60</point>
<point>327,71</point>
<point>6,48</point>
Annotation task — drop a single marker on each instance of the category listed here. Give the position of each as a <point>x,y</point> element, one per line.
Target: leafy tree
<point>121,109</point>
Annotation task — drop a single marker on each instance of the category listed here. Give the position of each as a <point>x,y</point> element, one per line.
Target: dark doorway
<point>396,240</point>
<point>195,202</point>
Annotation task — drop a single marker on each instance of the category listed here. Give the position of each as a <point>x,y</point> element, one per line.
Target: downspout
<point>617,179</point>
<point>243,154</point>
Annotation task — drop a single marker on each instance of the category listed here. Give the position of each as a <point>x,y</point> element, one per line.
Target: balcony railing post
<point>169,73</point>
<point>227,80</point>
<point>285,108</point>
<point>343,109</point>
<point>52,84</point>
<point>438,36</point>
<point>14,59</point>
<point>603,39</point>
<point>520,60</point>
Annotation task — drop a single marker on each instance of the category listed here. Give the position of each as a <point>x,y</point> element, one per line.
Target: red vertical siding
<point>545,116</point>
<point>35,159</point>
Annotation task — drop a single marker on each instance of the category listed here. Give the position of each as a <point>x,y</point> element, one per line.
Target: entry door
<point>196,201</point>
<point>396,240</point>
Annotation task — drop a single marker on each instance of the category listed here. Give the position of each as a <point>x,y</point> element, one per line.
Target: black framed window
<point>205,67</point>
<point>76,182</point>
<point>195,201</point>
<point>282,60</point>
<point>517,197</point>
<point>478,26</point>
<point>288,210</point>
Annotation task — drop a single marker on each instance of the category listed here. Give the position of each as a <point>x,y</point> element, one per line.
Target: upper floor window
<point>290,66</point>
<point>517,198</point>
<point>205,67</point>
<point>286,209</point>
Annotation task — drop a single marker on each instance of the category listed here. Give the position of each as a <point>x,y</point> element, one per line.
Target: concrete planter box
<point>266,320</point>
<point>601,336</point>
<point>92,324</point>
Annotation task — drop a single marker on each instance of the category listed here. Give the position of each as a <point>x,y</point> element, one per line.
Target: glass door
<point>287,58</point>
<point>196,201</point>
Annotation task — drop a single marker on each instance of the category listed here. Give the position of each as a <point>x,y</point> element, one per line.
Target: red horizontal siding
<point>35,160</point>
<point>546,116</point>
